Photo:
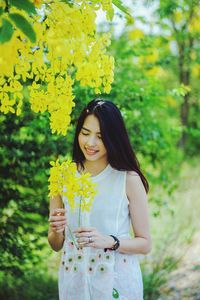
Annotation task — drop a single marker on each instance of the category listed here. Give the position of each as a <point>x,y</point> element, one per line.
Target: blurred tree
<point>179,52</point>
<point>139,92</point>
<point>27,145</point>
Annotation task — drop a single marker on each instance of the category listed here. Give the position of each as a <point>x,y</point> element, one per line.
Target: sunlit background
<point>156,86</point>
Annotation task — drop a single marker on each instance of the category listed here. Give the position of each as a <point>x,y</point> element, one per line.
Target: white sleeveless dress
<point>92,274</point>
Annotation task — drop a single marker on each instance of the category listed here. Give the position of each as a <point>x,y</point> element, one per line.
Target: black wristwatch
<point>116,244</point>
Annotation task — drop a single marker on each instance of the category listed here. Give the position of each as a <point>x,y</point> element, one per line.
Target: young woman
<point>106,265</point>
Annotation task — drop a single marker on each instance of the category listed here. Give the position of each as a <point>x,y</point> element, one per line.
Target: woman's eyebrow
<point>90,130</point>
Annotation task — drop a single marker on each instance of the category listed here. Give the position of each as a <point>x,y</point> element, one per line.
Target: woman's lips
<point>91,152</point>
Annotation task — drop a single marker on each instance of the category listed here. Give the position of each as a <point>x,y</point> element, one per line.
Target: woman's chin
<point>91,157</point>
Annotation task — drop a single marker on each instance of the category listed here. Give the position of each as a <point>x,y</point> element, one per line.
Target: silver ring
<point>90,239</point>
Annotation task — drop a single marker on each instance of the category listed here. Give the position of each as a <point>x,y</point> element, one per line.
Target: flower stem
<point>72,236</point>
<point>79,213</point>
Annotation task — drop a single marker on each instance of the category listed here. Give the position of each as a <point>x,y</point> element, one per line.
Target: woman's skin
<point>96,161</point>
<point>57,222</point>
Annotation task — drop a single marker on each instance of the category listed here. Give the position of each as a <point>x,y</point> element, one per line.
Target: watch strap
<point>116,244</point>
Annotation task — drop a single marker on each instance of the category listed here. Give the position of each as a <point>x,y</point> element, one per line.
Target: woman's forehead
<point>91,123</point>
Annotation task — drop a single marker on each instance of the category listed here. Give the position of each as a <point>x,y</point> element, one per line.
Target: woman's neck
<point>95,167</point>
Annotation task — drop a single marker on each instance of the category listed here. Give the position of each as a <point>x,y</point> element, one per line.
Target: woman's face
<point>90,140</point>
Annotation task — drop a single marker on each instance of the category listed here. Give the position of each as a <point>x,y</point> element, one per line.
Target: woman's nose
<point>91,141</point>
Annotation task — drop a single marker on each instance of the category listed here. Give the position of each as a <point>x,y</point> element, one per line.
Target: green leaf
<point>69,2</point>
<point>115,294</point>
<point>119,4</point>
<point>6,31</point>
<point>110,14</point>
<point>1,11</point>
<point>24,26</point>
<point>24,5</point>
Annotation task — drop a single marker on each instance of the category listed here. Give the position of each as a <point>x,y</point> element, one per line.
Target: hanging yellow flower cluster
<point>68,49</point>
<point>66,181</point>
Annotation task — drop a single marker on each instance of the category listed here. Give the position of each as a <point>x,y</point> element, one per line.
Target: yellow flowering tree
<point>47,45</point>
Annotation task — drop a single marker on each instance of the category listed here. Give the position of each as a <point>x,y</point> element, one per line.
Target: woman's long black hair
<point>114,136</point>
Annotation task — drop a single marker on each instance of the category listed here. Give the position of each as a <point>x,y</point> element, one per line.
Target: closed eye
<point>86,134</point>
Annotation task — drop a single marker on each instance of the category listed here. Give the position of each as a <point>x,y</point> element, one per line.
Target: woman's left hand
<point>90,237</point>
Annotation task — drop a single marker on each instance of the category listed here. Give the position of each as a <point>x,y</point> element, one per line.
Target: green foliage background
<point>27,146</point>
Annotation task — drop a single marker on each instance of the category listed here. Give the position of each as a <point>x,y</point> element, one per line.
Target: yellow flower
<point>66,181</point>
<point>178,16</point>
<point>136,34</point>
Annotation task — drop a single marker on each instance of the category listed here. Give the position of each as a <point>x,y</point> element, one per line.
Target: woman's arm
<point>57,222</point>
<point>141,243</point>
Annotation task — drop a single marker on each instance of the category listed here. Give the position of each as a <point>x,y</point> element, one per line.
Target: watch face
<point>116,245</point>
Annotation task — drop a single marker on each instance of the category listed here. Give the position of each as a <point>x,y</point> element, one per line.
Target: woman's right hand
<point>58,220</point>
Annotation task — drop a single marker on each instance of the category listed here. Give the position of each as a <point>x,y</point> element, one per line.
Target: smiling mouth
<point>91,152</point>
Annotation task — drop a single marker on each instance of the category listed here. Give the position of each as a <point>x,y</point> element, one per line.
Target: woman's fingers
<point>86,243</point>
<point>84,229</point>
<point>58,211</point>
<point>57,214</point>
<point>85,240</point>
<point>85,234</point>
<point>60,229</point>
<point>57,218</point>
<point>57,224</point>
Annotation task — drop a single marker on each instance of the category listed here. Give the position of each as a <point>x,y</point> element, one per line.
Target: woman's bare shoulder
<point>131,174</point>
<point>133,183</point>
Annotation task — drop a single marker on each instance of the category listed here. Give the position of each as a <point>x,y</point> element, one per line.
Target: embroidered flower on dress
<point>92,259</point>
<point>90,269</point>
<point>115,294</point>
<point>68,268</point>
<point>79,257</point>
<point>70,259</point>
<point>99,255</point>
<point>102,268</point>
<point>71,244</point>
<point>107,256</point>
<point>75,268</point>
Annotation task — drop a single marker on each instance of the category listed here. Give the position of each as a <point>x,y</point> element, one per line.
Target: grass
<point>172,230</point>
<point>33,287</point>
